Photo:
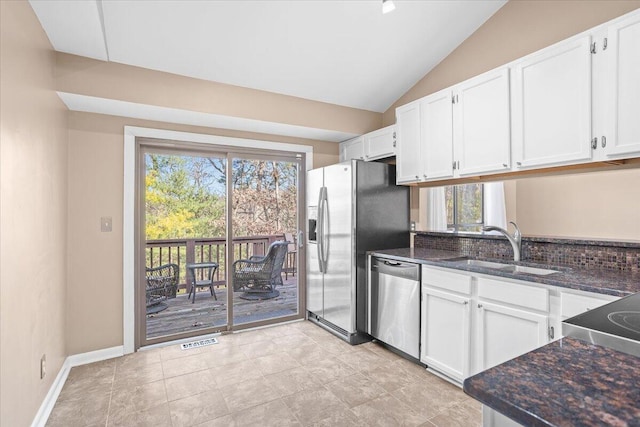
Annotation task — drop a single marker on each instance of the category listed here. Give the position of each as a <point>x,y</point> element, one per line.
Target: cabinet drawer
<point>574,304</point>
<point>512,293</point>
<point>450,281</point>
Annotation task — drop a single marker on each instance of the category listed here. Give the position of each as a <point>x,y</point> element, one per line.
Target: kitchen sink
<point>507,268</point>
<point>478,263</point>
<point>529,270</point>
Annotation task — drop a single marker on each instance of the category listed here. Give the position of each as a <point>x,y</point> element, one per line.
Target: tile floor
<point>289,375</point>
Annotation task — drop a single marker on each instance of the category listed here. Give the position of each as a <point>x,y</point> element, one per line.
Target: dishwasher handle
<point>395,268</point>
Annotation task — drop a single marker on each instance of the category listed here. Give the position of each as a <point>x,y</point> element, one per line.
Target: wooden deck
<point>182,316</point>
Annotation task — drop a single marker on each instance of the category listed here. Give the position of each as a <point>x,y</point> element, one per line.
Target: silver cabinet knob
<point>504,165</point>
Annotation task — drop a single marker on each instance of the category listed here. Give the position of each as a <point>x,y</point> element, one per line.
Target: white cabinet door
<point>380,143</point>
<point>623,84</point>
<point>445,333</point>
<point>504,333</point>
<point>408,153</point>
<point>482,120</point>
<point>352,149</point>
<point>436,121</point>
<point>552,106</point>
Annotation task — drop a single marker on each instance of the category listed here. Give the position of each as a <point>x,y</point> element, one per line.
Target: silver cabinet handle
<point>519,163</point>
<point>479,305</point>
<point>454,165</point>
<point>603,139</point>
<point>594,143</point>
<point>465,302</point>
<point>504,165</point>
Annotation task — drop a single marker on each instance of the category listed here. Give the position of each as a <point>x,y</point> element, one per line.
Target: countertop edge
<point>441,257</point>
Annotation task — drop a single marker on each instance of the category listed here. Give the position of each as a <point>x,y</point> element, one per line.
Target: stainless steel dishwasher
<point>394,304</point>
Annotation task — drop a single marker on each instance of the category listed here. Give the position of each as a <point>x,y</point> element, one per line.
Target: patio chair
<point>162,283</point>
<point>292,253</point>
<point>261,274</point>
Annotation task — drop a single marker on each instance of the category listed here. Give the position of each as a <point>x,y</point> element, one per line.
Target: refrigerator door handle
<point>300,239</point>
<point>322,197</point>
<point>325,230</point>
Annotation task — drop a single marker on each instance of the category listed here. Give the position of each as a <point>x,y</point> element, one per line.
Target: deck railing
<point>183,251</point>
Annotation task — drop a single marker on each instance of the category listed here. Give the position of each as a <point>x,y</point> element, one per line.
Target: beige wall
<point>597,205</point>
<point>33,215</point>
<point>96,190</point>
<point>84,76</point>
<point>570,206</point>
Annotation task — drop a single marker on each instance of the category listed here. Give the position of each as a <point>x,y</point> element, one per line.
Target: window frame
<point>456,226</point>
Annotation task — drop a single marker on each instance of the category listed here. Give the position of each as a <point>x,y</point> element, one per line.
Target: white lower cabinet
<point>446,329</point>
<point>471,323</point>
<point>491,418</point>
<point>576,302</point>
<point>505,332</point>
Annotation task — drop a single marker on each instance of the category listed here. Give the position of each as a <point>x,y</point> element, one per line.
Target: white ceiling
<point>341,52</point>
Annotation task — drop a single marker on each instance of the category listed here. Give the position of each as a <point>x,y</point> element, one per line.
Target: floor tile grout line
<point>113,380</point>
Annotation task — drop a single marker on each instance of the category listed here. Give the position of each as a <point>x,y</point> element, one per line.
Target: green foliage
<point>186,195</point>
<point>182,198</point>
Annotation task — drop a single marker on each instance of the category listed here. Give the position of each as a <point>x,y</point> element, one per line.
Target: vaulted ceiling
<point>340,52</point>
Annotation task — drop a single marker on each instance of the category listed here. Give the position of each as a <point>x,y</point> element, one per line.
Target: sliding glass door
<point>264,214</point>
<point>218,240</point>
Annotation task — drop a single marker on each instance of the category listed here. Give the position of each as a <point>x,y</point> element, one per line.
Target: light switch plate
<point>106,224</point>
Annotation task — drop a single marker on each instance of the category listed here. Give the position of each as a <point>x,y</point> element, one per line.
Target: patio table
<point>207,281</point>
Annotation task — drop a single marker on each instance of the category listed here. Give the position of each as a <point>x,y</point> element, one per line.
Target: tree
<point>186,196</point>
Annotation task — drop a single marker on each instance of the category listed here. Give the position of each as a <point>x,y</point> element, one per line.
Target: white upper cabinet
<point>552,105</point>
<point>380,143</point>
<point>436,122</point>
<point>623,87</point>
<point>577,101</point>
<point>374,145</point>
<point>482,124</point>
<point>458,131</point>
<point>352,149</point>
<point>408,151</point>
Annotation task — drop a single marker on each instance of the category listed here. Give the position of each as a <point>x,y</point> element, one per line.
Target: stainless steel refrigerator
<point>352,207</point>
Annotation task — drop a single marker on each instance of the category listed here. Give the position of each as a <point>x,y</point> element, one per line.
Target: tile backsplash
<point>588,254</point>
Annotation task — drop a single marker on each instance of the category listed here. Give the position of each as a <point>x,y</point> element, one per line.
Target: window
<point>465,207</point>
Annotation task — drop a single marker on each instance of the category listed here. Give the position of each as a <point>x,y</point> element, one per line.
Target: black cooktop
<point>615,325</point>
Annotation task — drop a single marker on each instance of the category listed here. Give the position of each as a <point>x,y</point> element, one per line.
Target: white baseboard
<point>95,356</point>
<point>74,360</point>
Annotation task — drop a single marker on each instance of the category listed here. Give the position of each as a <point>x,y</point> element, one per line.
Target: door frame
<point>131,199</point>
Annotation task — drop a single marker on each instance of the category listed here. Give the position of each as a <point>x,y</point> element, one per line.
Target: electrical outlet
<point>43,366</point>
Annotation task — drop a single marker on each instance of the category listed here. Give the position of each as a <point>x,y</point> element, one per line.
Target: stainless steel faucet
<point>515,240</point>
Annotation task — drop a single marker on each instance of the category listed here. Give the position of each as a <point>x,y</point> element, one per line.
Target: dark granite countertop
<point>565,383</point>
<point>609,282</point>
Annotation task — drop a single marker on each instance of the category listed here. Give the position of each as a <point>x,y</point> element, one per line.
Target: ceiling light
<point>387,6</point>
